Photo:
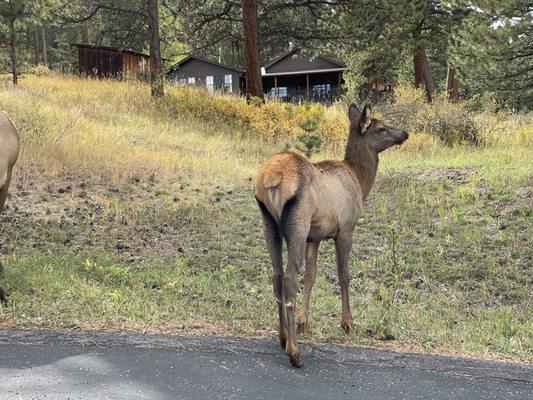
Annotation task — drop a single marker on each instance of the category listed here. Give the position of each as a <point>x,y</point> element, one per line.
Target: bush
<point>40,70</point>
<point>273,121</point>
<point>452,123</point>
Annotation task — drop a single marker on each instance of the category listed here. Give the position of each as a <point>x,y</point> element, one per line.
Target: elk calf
<point>305,203</point>
<point>9,150</point>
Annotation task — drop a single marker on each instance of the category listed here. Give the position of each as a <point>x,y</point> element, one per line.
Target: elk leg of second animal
<point>3,192</point>
<point>343,246</point>
<point>3,197</point>
<point>3,297</point>
<point>302,319</point>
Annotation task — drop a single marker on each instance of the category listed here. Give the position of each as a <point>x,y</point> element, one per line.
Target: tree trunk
<point>156,66</point>
<point>13,52</point>
<point>452,85</point>
<point>254,83</point>
<point>89,27</point>
<point>422,72</point>
<point>89,31</point>
<point>43,47</point>
<point>37,48</point>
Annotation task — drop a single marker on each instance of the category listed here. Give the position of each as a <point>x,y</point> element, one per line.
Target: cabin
<point>214,76</point>
<point>295,78</point>
<point>104,61</point>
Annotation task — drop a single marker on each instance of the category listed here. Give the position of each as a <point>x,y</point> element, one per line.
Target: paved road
<point>48,365</point>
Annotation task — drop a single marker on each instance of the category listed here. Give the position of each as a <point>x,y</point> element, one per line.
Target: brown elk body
<point>9,150</point>
<point>305,203</point>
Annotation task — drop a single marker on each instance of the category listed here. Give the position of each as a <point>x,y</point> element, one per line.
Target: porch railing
<point>327,97</point>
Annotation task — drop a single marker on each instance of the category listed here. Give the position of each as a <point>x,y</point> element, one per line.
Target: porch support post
<point>339,86</point>
<point>307,86</point>
<point>276,82</point>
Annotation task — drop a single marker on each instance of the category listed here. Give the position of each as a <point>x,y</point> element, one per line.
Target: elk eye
<point>382,129</point>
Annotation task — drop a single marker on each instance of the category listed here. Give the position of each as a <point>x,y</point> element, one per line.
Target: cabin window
<point>191,80</point>
<point>280,91</point>
<point>182,80</point>
<point>228,83</point>
<point>210,83</point>
<point>321,89</point>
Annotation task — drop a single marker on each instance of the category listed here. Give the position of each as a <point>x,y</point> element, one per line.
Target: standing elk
<point>9,150</point>
<point>306,203</point>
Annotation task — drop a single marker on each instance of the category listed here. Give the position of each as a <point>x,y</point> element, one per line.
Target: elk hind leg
<point>274,242</point>
<point>295,224</point>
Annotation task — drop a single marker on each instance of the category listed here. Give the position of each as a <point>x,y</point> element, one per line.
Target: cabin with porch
<point>214,76</point>
<point>295,78</point>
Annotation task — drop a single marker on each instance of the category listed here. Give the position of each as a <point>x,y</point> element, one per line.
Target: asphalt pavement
<point>82,365</point>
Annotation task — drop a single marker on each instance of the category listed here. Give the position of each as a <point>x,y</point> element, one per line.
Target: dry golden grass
<point>116,131</point>
<point>108,129</point>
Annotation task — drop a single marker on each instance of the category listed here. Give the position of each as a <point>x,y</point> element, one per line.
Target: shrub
<point>452,123</point>
<point>40,70</point>
<point>273,121</point>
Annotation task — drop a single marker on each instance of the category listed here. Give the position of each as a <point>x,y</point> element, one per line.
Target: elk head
<point>374,133</point>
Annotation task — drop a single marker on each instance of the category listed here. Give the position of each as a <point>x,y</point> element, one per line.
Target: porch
<point>313,87</point>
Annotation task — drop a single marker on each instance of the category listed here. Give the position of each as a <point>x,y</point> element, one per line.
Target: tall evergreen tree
<point>493,51</point>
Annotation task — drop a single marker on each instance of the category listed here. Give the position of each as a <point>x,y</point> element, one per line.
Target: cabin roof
<point>122,50</point>
<point>335,65</point>
<point>201,59</point>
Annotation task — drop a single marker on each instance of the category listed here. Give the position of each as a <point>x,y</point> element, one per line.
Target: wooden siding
<point>135,65</point>
<point>111,63</point>
<point>200,69</point>
<point>99,62</point>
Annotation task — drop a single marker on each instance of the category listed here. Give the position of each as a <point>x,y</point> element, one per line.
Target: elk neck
<point>362,161</point>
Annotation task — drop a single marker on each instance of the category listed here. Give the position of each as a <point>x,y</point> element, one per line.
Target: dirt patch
<point>140,220</point>
<point>456,175</point>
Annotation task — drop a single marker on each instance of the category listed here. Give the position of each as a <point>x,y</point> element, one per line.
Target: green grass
<point>132,218</point>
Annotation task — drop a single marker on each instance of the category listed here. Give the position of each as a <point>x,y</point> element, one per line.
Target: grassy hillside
<point>130,213</point>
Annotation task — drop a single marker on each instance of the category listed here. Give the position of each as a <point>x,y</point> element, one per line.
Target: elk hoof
<point>347,325</point>
<point>302,327</point>
<point>296,360</point>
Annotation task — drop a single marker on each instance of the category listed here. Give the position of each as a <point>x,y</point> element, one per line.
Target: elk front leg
<point>302,319</point>
<point>343,246</point>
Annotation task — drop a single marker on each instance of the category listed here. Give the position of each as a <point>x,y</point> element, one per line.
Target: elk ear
<point>366,119</point>
<point>353,113</point>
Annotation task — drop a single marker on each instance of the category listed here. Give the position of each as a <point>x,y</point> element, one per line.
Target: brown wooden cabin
<point>104,61</point>
<point>377,85</point>
<point>295,78</point>
<point>214,76</point>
